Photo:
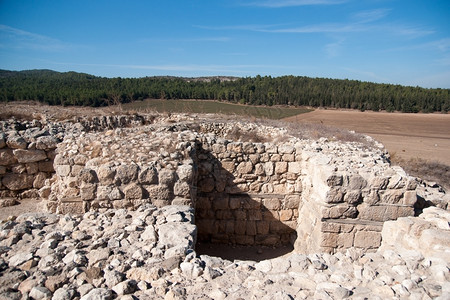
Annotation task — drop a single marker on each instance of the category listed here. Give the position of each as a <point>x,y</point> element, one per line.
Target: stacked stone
<point>123,168</point>
<point>26,159</point>
<point>248,193</point>
<point>352,191</point>
<point>148,254</point>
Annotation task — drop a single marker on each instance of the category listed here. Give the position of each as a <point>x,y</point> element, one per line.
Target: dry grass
<point>427,170</point>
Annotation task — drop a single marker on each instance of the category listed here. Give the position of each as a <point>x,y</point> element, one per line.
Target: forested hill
<point>73,88</point>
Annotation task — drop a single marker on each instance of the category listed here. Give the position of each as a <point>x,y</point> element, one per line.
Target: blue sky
<point>389,41</point>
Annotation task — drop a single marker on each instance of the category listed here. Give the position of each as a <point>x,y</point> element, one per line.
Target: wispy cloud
<point>16,38</point>
<point>334,49</point>
<point>289,3</point>
<point>221,39</point>
<point>371,15</point>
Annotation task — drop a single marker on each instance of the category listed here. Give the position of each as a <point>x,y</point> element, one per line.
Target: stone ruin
<point>319,196</point>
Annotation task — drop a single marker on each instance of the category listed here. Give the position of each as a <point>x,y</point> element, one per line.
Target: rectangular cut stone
<point>291,202</point>
<point>262,227</point>
<point>27,156</point>
<point>272,203</point>
<point>251,228</point>
<point>285,214</point>
<point>281,167</point>
<point>367,239</point>
<point>268,240</point>
<point>288,157</point>
<point>329,240</point>
<point>240,214</point>
<point>245,240</point>
<point>294,167</point>
<point>331,227</point>
<point>345,240</point>
<point>255,215</point>
<point>409,198</point>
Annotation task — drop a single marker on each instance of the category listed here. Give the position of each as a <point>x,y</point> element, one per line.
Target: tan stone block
<point>234,147</point>
<point>279,188</point>
<point>281,167</point>
<point>262,227</point>
<point>267,188</point>
<point>331,227</point>
<point>259,170</point>
<point>372,198</point>
<point>345,240</point>
<point>76,171</point>
<point>291,202</point>
<point>269,168</point>
<point>372,213</point>
<point>335,195</point>
<point>286,214</point>
<point>245,167</point>
<point>392,196</point>
<point>204,213</point>
<point>254,158</point>
<point>32,168</point>
<point>367,239</point>
<point>405,211</point>
<point>329,240</point>
<point>206,185</point>
<point>182,189</point>
<point>288,157</point>
<point>409,198</point>
<point>291,224</point>
<point>229,166</point>
<point>353,197</point>
<point>275,157</point>
<point>334,180</point>
<point>273,203</point>
<point>206,226</point>
<point>278,227</point>
<point>88,191</point>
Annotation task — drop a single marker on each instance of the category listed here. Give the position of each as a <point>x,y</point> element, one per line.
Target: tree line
<point>72,88</point>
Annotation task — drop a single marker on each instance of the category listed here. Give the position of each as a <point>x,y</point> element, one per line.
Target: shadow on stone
<point>235,216</point>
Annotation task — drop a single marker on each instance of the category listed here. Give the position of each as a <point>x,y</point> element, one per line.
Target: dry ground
<point>407,136</point>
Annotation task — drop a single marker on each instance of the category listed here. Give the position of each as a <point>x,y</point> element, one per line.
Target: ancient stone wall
<point>26,161</point>
<point>248,193</point>
<point>123,168</point>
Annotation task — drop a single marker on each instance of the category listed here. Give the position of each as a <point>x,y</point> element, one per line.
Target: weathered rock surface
<point>121,253</point>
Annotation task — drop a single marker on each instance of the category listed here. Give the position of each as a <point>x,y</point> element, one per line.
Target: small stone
<point>40,292</point>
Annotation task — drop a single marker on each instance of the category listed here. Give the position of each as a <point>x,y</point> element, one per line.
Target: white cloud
<point>20,39</point>
<point>334,49</point>
<point>371,15</point>
<point>289,3</point>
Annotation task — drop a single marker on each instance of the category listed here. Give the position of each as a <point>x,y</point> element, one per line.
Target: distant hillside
<point>72,88</point>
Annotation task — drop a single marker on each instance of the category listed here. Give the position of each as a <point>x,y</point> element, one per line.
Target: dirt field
<point>425,136</point>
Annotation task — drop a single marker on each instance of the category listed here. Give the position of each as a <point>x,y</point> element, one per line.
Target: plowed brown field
<point>425,136</point>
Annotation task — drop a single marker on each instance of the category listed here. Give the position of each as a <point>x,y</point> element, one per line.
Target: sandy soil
<point>23,206</point>
<point>425,136</point>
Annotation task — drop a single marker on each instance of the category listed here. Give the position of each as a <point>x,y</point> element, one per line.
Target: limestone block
<point>224,214</point>
<point>372,198</point>
<point>206,226</point>
<point>329,240</point>
<point>294,167</point>
<point>353,197</point>
<point>185,173</point>
<point>334,180</point>
<point>17,182</point>
<point>291,201</point>
<point>279,188</point>
<point>345,240</point>
<point>147,175</point>
<point>267,188</point>
<point>2,140</point>
<point>275,157</point>
<point>16,142</point>
<point>396,182</point>
<point>281,167</point>
<point>356,182</point>
<point>19,168</point>
<point>331,227</point>
<point>271,148</point>
<point>254,158</point>
<point>272,204</point>
<point>245,167</point>
<point>7,157</point>
<point>240,227</point>
<point>116,194</point>
<point>409,198</point>
<point>278,227</point>
<point>62,170</point>
<point>255,215</point>
<point>367,239</point>
<point>334,195</point>
<point>220,183</point>
<point>248,148</point>
<point>245,240</point>
<point>46,166</point>
<point>133,191</point>
<point>159,192</point>
<point>80,159</point>
<point>379,183</point>
<point>46,142</point>
<point>285,214</point>
<point>76,170</point>
<point>259,169</point>
<point>127,173</point>
<point>32,168</point>
<point>286,149</point>
<point>234,147</point>
<point>181,189</point>
<point>255,187</point>
<point>288,157</point>
<point>251,228</point>
<point>2,170</point>
<point>240,214</point>
<point>269,215</point>
<point>229,166</point>
<point>205,167</point>
<point>392,196</point>
<point>88,191</point>
<point>39,180</point>
<point>262,227</point>
<point>61,159</point>
<point>27,156</point>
